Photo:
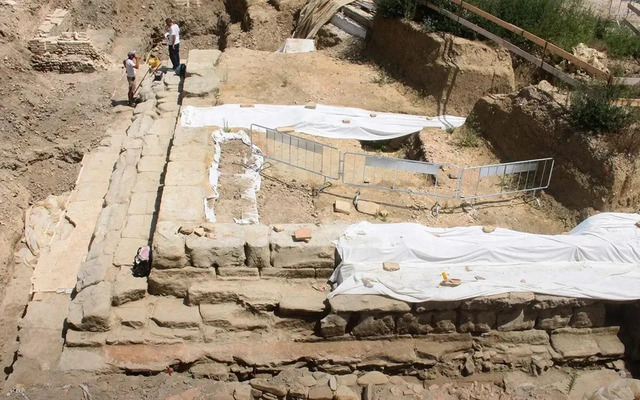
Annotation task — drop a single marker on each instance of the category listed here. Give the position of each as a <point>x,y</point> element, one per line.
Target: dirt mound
<point>453,71</point>
<point>533,123</point>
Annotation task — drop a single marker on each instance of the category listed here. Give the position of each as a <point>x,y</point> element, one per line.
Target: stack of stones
<point>56,50</point>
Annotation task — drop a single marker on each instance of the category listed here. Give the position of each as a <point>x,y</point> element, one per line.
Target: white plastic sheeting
<point>324,121</point>
<point>291,45</point>
<point>250,172</point>
<point>599,259</point>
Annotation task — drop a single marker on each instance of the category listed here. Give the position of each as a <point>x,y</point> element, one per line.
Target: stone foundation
<point>55,49</point>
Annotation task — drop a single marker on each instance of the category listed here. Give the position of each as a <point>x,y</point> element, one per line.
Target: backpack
<point>142,262</point>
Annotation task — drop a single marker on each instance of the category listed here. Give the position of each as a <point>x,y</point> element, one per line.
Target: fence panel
<point>507,178</point>
<point>295,151</point>
<point>400,175</point>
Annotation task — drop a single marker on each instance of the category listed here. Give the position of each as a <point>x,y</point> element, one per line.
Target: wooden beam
<point>547,46</point>
<point>634,8</point>
<point>628,102</point>
<point>631,26</point>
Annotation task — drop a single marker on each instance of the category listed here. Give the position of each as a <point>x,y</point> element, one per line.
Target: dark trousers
<point>174,55</point>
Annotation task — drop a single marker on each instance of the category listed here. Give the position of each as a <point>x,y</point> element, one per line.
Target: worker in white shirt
<point>173,39</point>
<point>131,64</point>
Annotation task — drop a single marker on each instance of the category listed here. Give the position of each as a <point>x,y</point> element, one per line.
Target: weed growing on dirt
<point>381,79</point>
<point>285,82</point>
<point>592,109</point>
<point>225,126</point>
<point>469,137</point>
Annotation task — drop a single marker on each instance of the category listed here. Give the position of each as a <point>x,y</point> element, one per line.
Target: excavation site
<point>322,199</point>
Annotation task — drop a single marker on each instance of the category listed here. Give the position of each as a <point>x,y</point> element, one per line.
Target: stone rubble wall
<point>55,49</point>
<point>231,250</point>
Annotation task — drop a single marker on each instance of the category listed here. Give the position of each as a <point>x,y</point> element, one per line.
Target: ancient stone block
<point>288,273</point>
<point>127,287</point>
<point>303,302</point>
<point>322,392</point>
<point>127,250</point>
<point>367,303</point>
<point>224,251</point>
<point>373,378</point>
<point>333,325</point>
<point>172,313</point>
<point>142,203</point>
<point>584,343</point>
<point>182,203</point>
<point>319,252</point>
<point>90,310</point>
<point>215,371</point>
<point>93,271</point>
<point>197,153</point>
<point>163,127</point>
<point>342,207</point>
<point>85,339</point>
<point>367,207</point>
<point>138,227</point>
<point>132,317</point>
<point>257,252</point>
<point>232,317</point>
<point>140,126</point>
<point>238,272</point>
<point>477,321</point>
<point>415,324</point>
<point>176,282</point>
<point>554,318</point>
<point>168,247</point>
<point>185,173</point>
<point>516,318</point>
<point>588,316</point>
<point>543,301</point>
<point>445,321</point>
<point>374,326</point>
<point>191,136</point>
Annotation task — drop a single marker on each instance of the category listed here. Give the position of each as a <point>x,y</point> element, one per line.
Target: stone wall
<point>454,71</point>
<point>55,49</point>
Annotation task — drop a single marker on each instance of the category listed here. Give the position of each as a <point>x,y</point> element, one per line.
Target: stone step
<point>233,317</point>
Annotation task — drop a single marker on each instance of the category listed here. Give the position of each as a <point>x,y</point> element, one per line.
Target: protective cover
<point>600,259</point>
<point>325,121</point>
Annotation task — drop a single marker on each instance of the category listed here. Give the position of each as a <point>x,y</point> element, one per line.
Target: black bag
<point>181,70</point>
<point>142,262</point>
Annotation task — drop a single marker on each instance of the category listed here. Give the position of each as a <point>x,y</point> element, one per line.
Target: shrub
<point>592,109</point>
<point>397,8</point>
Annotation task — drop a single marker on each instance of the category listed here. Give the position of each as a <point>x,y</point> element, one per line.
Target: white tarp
<point>599,259</point>
<point>297,46</point>
<point>324,121</point>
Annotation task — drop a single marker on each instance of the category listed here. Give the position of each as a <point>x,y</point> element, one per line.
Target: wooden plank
<point>628,102</point>
<point>550,47</point>
<point>363,18</point>
<point>631,26</point>
<point>634,8</point>
<point>508,45</point>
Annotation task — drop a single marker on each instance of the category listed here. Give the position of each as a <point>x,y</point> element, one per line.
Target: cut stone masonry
<point>56,49</point>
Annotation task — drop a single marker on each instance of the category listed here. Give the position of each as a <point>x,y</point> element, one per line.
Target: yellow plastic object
<point>154,62</point>
<point>444,276</point>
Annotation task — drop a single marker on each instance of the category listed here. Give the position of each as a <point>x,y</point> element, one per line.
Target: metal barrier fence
<point>437,180</point>
<point>309,155</point>
<point>398,174</point>
<point>507,178</point>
